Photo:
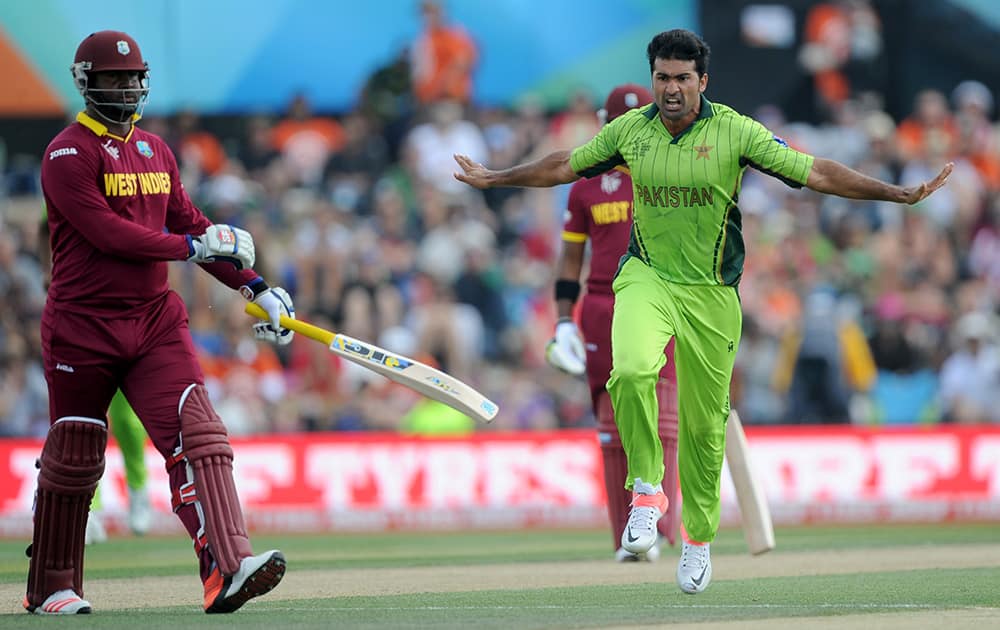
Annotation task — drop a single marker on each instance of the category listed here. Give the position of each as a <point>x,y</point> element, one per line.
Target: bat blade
<point>754,511</point>
<point>420,377</point>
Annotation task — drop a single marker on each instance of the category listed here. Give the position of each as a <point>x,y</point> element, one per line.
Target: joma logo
<point>61,152</point>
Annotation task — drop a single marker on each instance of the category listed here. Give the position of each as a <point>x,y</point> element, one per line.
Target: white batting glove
<point>565,350</point>
<point>276,302</point>
<point>223,243</point>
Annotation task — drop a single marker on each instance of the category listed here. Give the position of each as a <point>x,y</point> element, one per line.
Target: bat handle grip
<point>303,328</point>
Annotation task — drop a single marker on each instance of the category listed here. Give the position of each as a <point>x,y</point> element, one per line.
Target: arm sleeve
<point>600,154</point>
<point>183,217</point>
<point>71,185</point>
<point>576,226</point>
<point>771,155</point>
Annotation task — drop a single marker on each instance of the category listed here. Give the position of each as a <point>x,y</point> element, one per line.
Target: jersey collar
<point>706,112</point>
<point>100,129</point>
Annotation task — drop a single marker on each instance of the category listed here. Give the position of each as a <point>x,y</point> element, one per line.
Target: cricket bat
<point>418,376</point>
<point>754,511</point>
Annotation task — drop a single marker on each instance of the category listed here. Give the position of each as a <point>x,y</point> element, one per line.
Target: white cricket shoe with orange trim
<point>64,602</point>
<point>649,504</point>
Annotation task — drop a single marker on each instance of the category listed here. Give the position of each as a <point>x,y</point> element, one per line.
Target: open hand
<point>913,194</point>
<point>474,173</point>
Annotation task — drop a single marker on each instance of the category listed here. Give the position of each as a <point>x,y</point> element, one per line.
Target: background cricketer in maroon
<point>600,209</point>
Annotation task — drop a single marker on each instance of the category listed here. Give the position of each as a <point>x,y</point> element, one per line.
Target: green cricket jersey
<point>686,223</point>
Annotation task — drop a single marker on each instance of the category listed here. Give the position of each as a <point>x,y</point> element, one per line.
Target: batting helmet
<point>623,98</point>
<point>111,51</point>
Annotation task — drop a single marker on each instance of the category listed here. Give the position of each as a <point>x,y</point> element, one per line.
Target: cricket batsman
<point>600,210</point>
<point>117,213</point>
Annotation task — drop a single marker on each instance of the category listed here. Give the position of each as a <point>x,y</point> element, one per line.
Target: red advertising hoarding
<point>368,482</point>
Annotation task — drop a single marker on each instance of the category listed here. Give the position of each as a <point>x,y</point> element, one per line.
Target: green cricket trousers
<point>706,321</point>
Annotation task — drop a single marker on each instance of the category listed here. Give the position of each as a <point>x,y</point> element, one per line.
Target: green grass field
<point>873,577</point>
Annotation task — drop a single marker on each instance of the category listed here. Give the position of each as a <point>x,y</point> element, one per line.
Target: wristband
<point>567,290</point>
<point>252,289</point>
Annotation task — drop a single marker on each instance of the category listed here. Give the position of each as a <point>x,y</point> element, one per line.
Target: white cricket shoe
<point>95,533</point>
<point>694,571</point>
<point>64,602</point>
<point>649,504</point>
<point>140,512</point>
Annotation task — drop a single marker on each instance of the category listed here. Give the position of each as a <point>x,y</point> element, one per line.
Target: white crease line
<point>650,607</point>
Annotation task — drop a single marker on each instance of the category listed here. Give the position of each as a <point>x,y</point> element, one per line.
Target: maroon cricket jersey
<point>600,209</point>
<point>117,212</point>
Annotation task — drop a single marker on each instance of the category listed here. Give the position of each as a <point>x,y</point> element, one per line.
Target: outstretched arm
<point>828,176</point>
<point>551,170</point>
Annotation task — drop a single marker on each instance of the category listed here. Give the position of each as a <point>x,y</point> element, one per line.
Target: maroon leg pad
<point>189,513</point>
<point>619,499</point>
<point>666,396</point>
<point>615,470</point>
<point>71,465</point>
<point>670,525</point>
<point>206,446</point>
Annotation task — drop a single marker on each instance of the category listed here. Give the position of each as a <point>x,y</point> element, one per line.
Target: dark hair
<point>680,44</point>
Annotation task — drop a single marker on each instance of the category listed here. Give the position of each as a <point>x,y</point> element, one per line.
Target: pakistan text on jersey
<point>127,184</point>
<point>610,212</point>
<point>673,196</point>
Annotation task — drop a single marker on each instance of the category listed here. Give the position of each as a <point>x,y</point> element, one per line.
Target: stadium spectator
<point>970,376</point>
<point>442,58</point>
<point>842,45</point>
<point>429,146</point>
<point>352,171</point>
<point>243,378</point>
<point>199,153</point>
<point>930,128</point>
<point>256,150</point>
<point>387,101</point>
<point>306,141</point>
<point>24,400</point>
<point>826,361</point>
<point>906,386</point>
<point>977,137</point>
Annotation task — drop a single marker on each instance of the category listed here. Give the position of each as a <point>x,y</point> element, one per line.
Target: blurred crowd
<point>855,312</point>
